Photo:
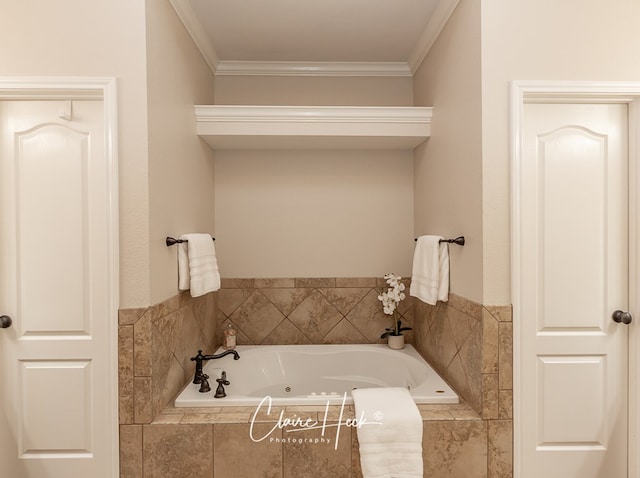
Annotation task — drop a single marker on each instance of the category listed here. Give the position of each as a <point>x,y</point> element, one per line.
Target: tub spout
<point>200,358</point>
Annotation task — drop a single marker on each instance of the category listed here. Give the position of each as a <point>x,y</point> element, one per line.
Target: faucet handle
<point>204,384</point>
<point>223,379</point>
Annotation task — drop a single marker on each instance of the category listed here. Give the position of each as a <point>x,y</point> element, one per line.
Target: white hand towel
<point>391,438</point>
<point>197,265</point>
<point>430,276</point>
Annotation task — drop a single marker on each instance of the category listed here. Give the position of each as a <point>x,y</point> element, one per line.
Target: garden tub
<point>316,375</point>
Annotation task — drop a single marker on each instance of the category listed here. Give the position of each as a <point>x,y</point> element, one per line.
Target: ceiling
<point>314,37</point>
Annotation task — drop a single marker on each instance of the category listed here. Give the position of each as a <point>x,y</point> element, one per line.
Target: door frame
<point>577,92</point>
<point>101,89</point>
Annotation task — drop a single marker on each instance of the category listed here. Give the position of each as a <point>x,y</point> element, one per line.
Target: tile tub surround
<point>452,336</point>
<point>308,310</point>
<point>155,345</point>
<point>197,443</point>
<point>470,346</point>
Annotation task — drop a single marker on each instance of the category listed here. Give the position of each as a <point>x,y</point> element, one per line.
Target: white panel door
<point>573,207</point>
<point>54,283</point>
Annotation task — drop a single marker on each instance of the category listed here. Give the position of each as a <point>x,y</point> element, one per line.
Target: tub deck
<point>216,442</point>
<point>241,414</point>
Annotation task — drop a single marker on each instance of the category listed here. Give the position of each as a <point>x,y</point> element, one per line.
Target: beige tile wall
<point>155,345</point>
<point>469,344</point>
<point>308,311</point>
<point>216,442</point>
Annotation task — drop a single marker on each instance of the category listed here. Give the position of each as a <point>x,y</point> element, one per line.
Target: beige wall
<point>582,40</point>
<point>160,157</point>
<point>181,169</point>
<point>531,39</point>
<point>80,38</point>
<point>448,167</point>
<point>314,213</point>
<point>314,91</point>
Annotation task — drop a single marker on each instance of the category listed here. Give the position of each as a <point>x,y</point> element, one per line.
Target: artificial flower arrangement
<point>390,300</point>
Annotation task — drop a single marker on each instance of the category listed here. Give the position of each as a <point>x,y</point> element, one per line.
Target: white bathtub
<point>316,375</point>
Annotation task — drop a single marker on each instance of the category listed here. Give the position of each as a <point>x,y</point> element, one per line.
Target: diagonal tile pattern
<point>470,346</point>
<point>286,300</point>
<point>154,349</point>
<point>344,299</point>
<point>369,318</point>
<point>286,334</point>
<point>469,343</point>
<point>256,317</point>
<point>307,310</point>
<point>315,316</point>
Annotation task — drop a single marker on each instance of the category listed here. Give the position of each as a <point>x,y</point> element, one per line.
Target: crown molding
<point>317,68</point>
<point>438,20</point>
<point>194,27</point>
<point>196,31</point>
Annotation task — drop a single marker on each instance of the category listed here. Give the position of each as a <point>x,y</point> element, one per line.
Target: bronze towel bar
<point>170,241</point>
<point>458,240</point>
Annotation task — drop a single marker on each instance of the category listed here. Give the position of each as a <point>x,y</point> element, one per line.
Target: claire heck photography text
<point>328,430</point>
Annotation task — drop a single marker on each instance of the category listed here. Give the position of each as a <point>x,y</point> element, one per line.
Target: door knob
<point>622,317</point>
<point>5,321</point>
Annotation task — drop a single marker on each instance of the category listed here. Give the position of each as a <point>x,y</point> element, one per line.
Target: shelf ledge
<point>317,127</point>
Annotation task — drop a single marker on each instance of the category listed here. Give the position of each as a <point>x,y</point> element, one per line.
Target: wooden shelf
<point>313,127</point>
